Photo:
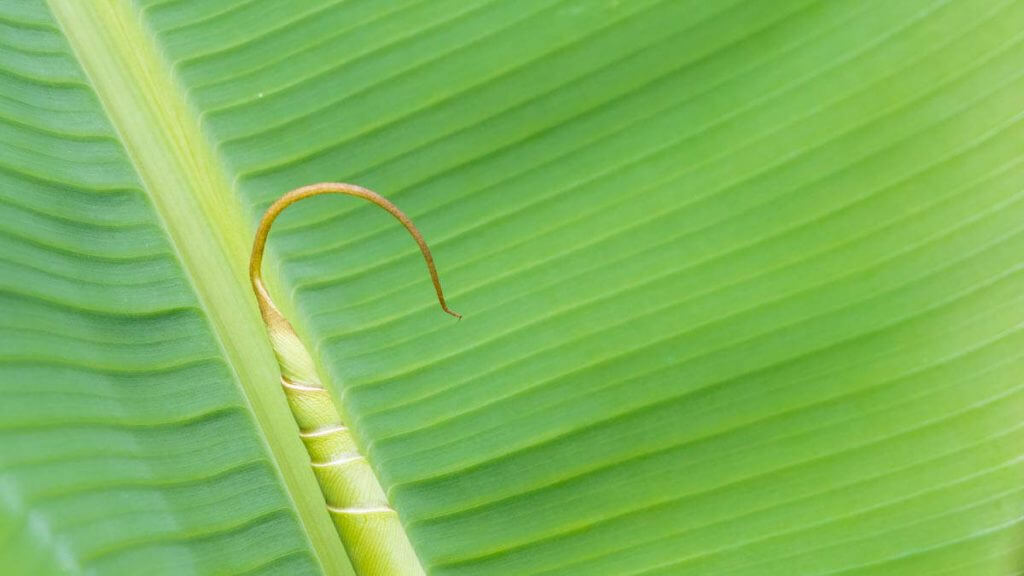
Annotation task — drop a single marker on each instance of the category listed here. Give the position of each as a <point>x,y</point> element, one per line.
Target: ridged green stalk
<point>369,528</point>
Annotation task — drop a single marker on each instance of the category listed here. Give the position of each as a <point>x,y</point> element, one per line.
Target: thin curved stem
<point>259,244</point>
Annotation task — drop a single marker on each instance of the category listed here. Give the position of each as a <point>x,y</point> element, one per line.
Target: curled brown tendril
<point>256,260</point>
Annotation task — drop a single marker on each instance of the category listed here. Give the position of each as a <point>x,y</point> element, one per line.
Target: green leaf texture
<point>742,283</point>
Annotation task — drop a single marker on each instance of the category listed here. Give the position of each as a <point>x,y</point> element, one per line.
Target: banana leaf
<point>742,283</point>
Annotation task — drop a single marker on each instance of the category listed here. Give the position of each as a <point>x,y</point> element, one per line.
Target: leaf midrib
<point>189,188</point>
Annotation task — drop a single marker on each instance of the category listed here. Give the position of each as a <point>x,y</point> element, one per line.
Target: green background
<point>742,283</point>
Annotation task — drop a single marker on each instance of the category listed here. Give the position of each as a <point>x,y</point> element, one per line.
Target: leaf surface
<point>741,282</point>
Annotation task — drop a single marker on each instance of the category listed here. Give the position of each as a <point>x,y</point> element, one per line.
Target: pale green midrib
<point>190,192</point>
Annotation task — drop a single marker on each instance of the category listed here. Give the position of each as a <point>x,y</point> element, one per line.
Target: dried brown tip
<point>259,244</point>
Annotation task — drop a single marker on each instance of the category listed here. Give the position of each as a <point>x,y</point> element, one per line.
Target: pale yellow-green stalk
<point>367,524</point>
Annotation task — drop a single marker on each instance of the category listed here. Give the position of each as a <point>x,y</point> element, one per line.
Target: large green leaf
<point>742,282</point>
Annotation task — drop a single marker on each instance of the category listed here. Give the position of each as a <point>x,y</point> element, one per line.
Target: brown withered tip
<point>263,230</point>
